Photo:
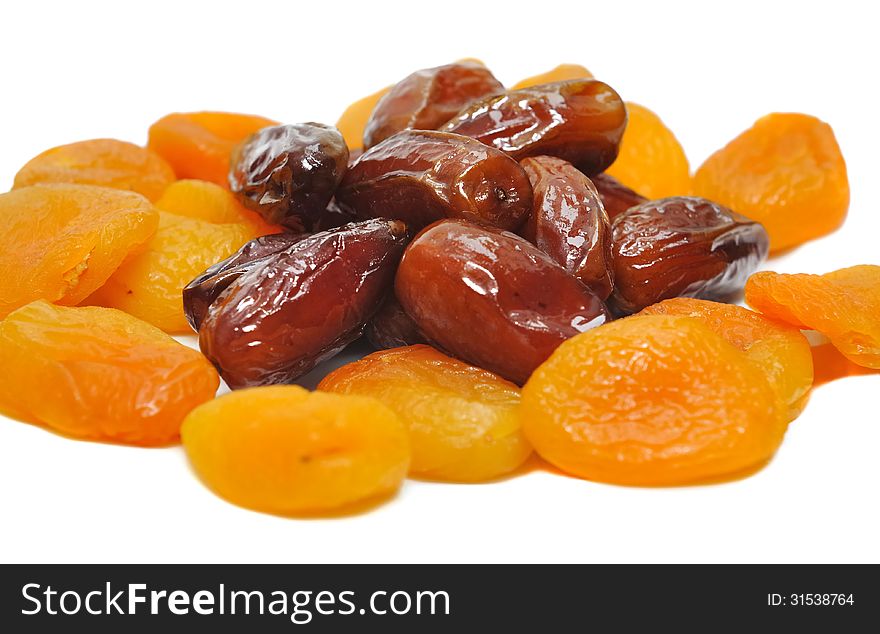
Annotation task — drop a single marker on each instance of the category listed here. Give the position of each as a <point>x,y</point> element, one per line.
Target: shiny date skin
<point>682,247</point>
<point>391,327</point>
<point>423,176</point>
<point>581,121</point>
<point>307,302</point>
<point>491,298</point>
<point>199,294</point>
<point>428,98</point>
<point>616,197</point>
<point>568,221</point>
<point>288,173</point>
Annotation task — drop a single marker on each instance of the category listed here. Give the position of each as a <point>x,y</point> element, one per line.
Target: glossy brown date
<point>491,298</point>
<point>428,98</point>
<point>391,327</point>
<point>199,294</point>
<point>616,197</point>
<point>568,221</point>
<point>288,173</point>
<point>581,121</point>
<point>422,176</point>
<point>307,302</point>
<point>334,216</point>
<point>682,247</point>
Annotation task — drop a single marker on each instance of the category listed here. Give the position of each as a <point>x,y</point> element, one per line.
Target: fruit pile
<point>536,267</point>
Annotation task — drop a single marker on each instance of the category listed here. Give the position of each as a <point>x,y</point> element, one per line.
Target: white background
<point>79,70</point>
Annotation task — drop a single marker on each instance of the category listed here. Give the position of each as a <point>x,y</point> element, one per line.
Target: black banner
<point>422,598</point>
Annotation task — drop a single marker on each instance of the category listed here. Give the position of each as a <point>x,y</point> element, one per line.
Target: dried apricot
<point>831,365</point>
<point>563,72</point>
<point>199,144</point>
<point>203,200</point>
<point>651,160</point>
<point>104,162</point>
<point>60,242</point>
<point>99,374</point>
<point>781,351</point>
<point>651,400</point>
<point>843,305</point>
<point>149,284</point>
<point>463,422</point>
<point>285,450</point>
<point>354,119</point>
<point>786,172</point>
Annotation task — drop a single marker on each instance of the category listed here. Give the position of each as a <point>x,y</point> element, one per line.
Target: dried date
<point>288,173</point>
<point>199,294</point>
<point>427,99</point>
<point>391,327</point>
<point>581,121</point>
<point>568,221</point>
<point>422,176</point>
<point>682,247</point>
<point>616,197</point>
<point>303,305</point>
<point>491,298</point>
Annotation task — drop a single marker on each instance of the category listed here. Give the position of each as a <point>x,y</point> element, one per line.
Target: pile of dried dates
<point>536,267</point>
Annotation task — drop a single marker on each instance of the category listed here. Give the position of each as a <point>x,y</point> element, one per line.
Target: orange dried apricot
<point>149,284</point>
<point>104,162</point>
<point>651,400</point>
<point>203,200</point>
<point>199,144</point>
<point>563,72</point>
<point>785,172</point>
<point>353,120</point>
<point>60,242</point>
<point>843,305</point>
<point>284,450</point>
<point>781,351</point>
<point>651,160</point>
<point>463,421</point>
<point>99,374</point>
<point>830,365</point>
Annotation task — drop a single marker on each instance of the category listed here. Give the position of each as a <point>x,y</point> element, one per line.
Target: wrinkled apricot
<point>463,421</point>
<point>199,144</point>
<point>651,160</point>
<point>651,400</point>
<point>831,365</point>
<point>203,200</point>
<point>563,72</point>
<point>99,374</point>
<point>843,305</point>
<point>60,242</point>
<point>785,172</point>
<point>103,162</point>
<point>149,284</point>
<point>284,450</point>
<point>782,352</point>
<point>353,120</point>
